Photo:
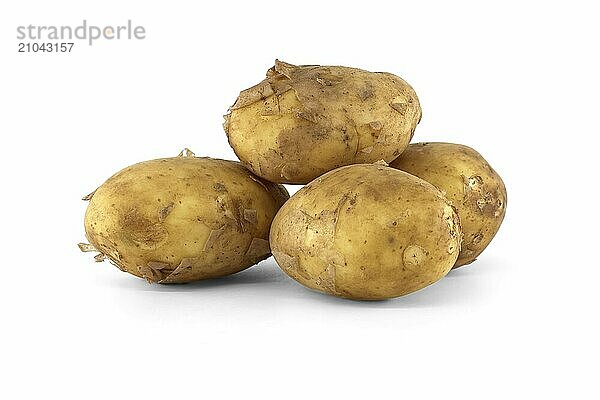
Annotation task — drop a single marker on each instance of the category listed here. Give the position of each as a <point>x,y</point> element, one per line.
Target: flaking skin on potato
<point>181,219</point>
<point>366,232</point>
<point>303,121</point>
<point>469,182</point>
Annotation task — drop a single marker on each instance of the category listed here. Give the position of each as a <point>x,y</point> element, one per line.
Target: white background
<point>517,81</point>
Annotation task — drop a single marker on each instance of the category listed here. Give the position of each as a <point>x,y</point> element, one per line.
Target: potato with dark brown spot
<point>303,121</point>
<point>366,232</point>
<point>469,182</point>
<point>182,219</point>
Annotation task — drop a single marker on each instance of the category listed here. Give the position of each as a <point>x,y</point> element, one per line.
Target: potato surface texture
<point>182,219</point>
<point>469,182</point>
<point>303,121</point>
<point>366,232</point>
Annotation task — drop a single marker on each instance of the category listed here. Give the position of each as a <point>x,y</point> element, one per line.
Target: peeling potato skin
<point>469,182</point>
<point>303,121</point>
<point>366,232</point>
<point>181,219</point>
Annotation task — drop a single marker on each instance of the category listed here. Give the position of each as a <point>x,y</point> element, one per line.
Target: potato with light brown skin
<point>182,219</point>
<point>303,121</point>
<point>469,182</point>
<point>366,232</point>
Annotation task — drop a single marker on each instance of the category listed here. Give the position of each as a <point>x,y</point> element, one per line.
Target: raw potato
<point>366,232</point>
<point>303,121</point>
<point>182,219</point>
<point>469,182</point>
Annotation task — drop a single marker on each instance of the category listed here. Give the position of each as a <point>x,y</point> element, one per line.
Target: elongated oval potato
<point>469,182</point>
<point>182,219</point>
<point>303,121</point>
<point>366,232</point>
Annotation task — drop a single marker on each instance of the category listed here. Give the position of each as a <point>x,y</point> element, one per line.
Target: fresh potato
<point>303,121</point>
<point>366,232</point>
<point>182,219</point>
<point>469,182</point>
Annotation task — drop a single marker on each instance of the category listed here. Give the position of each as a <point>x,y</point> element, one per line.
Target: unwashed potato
<point>303,121</point>
<point>469,182</point>
<point>182,219</point>
<point>366,232</point>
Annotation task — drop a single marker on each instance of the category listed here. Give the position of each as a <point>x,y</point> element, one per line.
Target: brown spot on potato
<point>414,255</point>
<point>451,248</point>
<point>165,211</point>
<point>307,116</point>
<point>141,230</point>
<point>366,91</point>
<point>220,187</point>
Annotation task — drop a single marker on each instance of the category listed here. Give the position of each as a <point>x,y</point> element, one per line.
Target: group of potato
<point>377,218</point>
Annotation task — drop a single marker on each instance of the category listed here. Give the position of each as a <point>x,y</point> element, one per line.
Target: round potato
<point>303,121</point>
<point>469,182</point>
<point>366,232</point>
<point>182,219</point>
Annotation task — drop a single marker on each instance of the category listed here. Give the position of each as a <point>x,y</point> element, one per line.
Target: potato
<point>469,182</point>
<point>366,232</point>
<point>303,121</point>
<point>182,219</point>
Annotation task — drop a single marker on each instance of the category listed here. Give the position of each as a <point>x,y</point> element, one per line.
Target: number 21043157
<point>45,47</point>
